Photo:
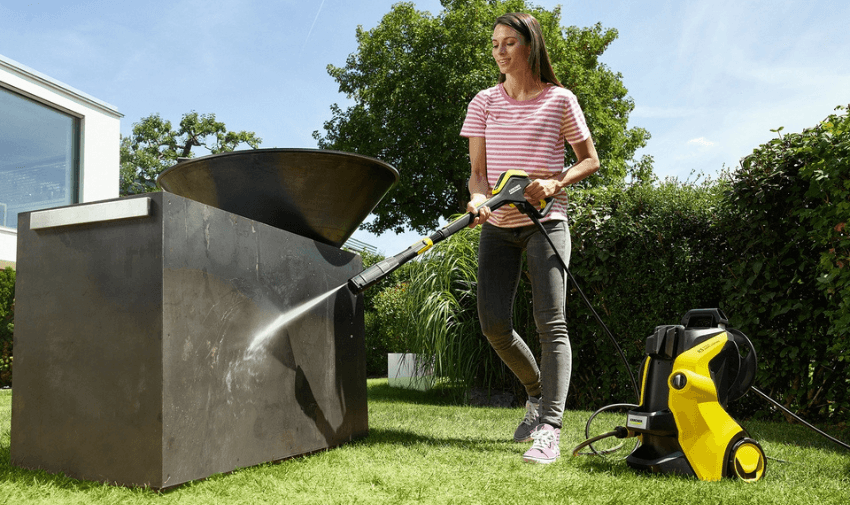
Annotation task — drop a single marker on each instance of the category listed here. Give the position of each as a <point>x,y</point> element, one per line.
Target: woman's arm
<point>479,187</point>
<point>587,163</point>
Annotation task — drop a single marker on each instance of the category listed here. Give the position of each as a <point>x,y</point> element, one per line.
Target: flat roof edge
<point>58,86</point>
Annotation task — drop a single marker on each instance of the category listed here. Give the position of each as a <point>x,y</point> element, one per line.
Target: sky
<point>709,79</point>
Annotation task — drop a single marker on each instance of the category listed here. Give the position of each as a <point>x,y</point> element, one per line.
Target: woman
<point>523,123</point>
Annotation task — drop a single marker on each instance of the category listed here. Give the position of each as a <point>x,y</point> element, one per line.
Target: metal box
<point>159,340</point>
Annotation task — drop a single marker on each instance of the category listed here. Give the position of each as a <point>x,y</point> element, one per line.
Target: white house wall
<point>99,142</point>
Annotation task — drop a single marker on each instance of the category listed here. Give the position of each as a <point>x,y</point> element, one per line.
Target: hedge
<point>644,256</point>
<point>638,253</point>
<point>788,281</point>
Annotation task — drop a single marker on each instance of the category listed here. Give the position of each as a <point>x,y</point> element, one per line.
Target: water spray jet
<point>261,339</point>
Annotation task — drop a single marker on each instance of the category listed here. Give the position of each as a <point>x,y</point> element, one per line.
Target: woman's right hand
<point>482,214</point>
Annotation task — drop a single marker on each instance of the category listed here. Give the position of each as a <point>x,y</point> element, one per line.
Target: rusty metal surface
<point>149,351</point>
<point>322,195</point>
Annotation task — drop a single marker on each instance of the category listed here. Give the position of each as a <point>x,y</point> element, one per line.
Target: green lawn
<point>421,450</point>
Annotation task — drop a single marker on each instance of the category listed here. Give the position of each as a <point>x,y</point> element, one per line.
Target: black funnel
<point>322,195</point>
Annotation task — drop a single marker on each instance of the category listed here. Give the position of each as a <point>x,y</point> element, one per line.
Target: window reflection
<point>39,157</point>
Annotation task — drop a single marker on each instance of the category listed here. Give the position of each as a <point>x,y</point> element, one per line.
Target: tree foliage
<point>155,146</point>
<point>412,78</point>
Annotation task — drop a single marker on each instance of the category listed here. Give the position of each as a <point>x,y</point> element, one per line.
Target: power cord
<point>619,432</point>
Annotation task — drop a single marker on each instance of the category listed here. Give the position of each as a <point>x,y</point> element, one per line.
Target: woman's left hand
<point>541,189</point>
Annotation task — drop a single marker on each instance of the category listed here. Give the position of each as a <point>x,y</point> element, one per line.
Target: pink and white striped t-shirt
<point>525,136</point>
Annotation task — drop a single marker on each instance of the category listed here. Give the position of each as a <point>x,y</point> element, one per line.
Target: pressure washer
<point>689,375</point>
<point>691,372</point>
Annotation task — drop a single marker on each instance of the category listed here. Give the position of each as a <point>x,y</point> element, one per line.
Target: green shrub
<point>383,310</point>
<point>443,316</point>
<point>826,149</point>
<point>7,324</point>
<point>787,256</point>
<point>391,311</point>
<point>376,357</point>
<point>386,328</point>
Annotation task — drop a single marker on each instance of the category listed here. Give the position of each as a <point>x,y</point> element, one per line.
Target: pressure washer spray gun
<point>509,190</point>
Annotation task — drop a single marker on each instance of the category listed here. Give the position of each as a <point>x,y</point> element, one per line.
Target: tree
<point>413,76</point>
<point>155,146</point>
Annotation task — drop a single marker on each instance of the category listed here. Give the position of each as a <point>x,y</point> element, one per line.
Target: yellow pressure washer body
<point>690,373</point>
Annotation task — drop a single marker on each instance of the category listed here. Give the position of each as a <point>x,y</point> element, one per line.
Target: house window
<point>39,157</point>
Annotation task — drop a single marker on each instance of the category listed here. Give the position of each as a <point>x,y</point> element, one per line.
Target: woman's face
<point>510,50</point>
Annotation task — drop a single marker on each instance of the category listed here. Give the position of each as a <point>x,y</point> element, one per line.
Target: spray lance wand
<point>509,190</point>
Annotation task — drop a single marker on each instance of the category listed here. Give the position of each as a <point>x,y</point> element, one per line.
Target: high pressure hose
<point>800,419</point>
<point>619,431</point>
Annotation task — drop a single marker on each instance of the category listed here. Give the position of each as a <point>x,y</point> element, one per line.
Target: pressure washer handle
<point>530,210</point>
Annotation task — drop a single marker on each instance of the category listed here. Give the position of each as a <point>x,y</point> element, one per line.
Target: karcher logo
<point>636,421</point>
<point>514,189</point>
<point>708,345</point>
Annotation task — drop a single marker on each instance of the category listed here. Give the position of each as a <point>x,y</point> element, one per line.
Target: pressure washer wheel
<point>747,460</point>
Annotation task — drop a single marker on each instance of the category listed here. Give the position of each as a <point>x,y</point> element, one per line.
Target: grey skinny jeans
<point>499,268</point>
